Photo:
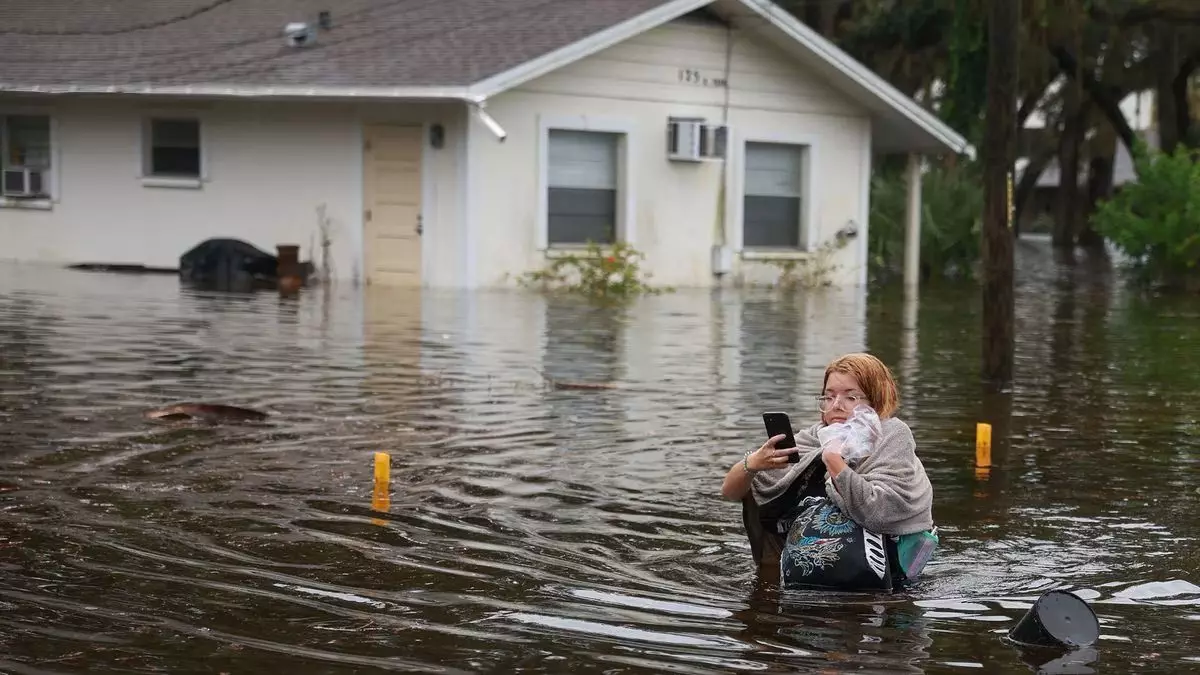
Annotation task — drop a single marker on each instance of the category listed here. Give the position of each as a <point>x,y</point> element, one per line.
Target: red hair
<point>873,377</point>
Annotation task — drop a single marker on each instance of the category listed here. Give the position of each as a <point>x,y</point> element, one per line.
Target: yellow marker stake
<point>383,468</point>
<point>381,499</point>
<point>983,445</point>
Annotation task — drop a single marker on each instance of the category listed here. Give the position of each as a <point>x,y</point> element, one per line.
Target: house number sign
<point>691,76</point>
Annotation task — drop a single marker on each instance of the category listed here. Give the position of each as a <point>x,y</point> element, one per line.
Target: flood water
<point>539,529</point>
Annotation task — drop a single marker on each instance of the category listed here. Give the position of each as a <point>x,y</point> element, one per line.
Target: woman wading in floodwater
<point>887,493</point>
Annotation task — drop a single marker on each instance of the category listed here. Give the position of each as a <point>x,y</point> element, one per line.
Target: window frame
<point>145,149</point>
<point>809,194</point>
<point>626,226</point>
<point>51,178</point>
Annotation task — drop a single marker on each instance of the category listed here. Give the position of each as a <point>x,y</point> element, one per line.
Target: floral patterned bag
<point>827,550</point>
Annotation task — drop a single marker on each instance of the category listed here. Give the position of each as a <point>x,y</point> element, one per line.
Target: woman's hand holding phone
<point>768,456</point>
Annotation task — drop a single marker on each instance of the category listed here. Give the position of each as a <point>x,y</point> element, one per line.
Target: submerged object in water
<point>206,412</point>
<point>1057,619</point>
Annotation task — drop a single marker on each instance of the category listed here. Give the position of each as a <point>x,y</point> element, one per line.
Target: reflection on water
<point>543,529</point>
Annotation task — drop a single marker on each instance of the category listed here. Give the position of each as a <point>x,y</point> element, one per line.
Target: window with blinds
<point>772,213</point>
<point>582,183</point>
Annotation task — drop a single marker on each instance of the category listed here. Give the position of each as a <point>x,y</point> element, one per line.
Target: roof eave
<point>249,91</point>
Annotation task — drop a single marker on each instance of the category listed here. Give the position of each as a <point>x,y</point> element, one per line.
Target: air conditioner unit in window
<point>692,140</point>
<point>22,183</point>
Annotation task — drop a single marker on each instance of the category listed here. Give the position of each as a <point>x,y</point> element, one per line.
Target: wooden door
<point>392,203</point>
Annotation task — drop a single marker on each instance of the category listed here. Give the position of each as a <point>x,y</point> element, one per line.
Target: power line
<point>204,9</point>
<point>344,20</point>
<point>409,41</point>
<point>106,71</point>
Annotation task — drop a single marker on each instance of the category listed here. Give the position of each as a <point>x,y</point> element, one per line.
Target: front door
<point>392,202</point>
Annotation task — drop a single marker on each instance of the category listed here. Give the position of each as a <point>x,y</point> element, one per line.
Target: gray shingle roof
<point>373,43</point>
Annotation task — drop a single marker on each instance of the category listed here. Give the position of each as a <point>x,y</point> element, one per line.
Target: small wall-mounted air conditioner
<point>22,183</point>
<point>690,139</point>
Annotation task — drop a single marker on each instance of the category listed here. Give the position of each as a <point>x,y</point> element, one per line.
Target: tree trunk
<point>820,15</point>
<point>1183,102</point>
<point>1106,98</point>
<point>999,144</point>
<point>828,12</point>
<point>1166,61</point>
<point>1100,185</point>
<point>1067,208</point>
<point>1029,178</point>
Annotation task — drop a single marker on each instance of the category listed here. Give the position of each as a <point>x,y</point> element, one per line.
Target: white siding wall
<point>636,86</point>
<point>268,166</point>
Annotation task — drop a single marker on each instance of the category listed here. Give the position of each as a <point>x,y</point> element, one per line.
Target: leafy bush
<point>600,274</point>
<point>1155,221</point>
<point>951,221</point>
<point>810,272</point>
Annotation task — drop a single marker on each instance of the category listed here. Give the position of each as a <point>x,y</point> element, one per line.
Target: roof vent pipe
<point>299,34</point>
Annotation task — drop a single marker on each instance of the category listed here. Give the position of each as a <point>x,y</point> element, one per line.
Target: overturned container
<point>1057,619</point>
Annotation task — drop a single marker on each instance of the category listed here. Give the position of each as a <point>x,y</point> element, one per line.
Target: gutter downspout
<point>478,105</point>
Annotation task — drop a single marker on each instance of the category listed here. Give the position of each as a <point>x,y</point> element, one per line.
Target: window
<point>25,156</point>
<point>173,149</point>
<point>772,213</point>
<point>582,187</point>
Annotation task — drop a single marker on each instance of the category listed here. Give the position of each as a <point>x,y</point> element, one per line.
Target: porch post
<point>912,224</point>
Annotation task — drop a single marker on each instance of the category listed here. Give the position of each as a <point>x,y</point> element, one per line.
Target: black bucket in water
<point>1057,619</point>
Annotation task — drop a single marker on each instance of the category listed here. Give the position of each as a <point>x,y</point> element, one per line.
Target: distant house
<point>453,143</point>
<point>1040,211</point>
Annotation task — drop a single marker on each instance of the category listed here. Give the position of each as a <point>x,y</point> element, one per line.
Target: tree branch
<point>1035,94</point>
<point>1106,98</point>
<point>1028,105</point>
<point>1147,13</point>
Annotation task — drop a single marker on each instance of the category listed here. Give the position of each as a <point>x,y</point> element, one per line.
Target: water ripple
<point>540,528</point>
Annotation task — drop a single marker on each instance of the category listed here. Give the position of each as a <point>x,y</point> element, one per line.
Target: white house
<point>452,143</point>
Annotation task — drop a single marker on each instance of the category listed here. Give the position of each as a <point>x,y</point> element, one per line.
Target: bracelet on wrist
<point>746,463</point>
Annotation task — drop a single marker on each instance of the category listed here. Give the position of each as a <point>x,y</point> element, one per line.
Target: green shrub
<point>951,221</point>
<point>605,275</point>
<point>1155,221</point>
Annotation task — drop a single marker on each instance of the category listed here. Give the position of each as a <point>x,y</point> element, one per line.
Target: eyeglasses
<point>826,403</point>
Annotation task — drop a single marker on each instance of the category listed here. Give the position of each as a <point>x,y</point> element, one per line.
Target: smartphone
<point>779,423</point>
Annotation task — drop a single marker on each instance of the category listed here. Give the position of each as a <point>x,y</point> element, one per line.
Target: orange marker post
<point>983,445</point>
<point>383,468</point>
<point>381,498</point>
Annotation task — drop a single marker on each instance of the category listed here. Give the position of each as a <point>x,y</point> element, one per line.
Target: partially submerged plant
<point>325,231</point>
<point>811,271</point>
<point>602,274</point>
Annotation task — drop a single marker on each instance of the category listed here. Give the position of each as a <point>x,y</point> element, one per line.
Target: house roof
<point>409,49</point>
<point>372,43</point>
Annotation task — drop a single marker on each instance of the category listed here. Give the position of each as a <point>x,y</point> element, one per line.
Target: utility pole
<point>999,144</point>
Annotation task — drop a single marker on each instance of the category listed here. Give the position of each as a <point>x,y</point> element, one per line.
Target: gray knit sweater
<point>887,493</point>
